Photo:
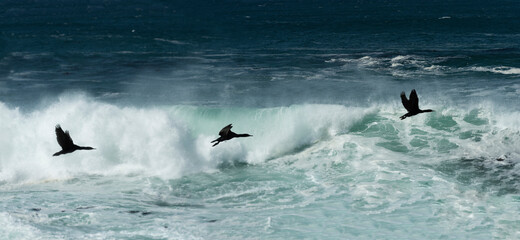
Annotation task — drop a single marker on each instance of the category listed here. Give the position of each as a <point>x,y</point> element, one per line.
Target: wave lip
<point>501,70</point>
<point>176,42</point>
<point>408,65</point>
<point>400,65</point>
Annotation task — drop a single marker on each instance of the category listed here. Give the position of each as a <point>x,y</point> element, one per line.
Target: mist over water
<point>317,84</point>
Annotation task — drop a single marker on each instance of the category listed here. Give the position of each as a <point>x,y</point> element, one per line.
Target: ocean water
<point>150,84</point>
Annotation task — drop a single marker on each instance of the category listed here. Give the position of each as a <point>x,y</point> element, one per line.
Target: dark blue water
<point>150,83</point>
<point>264,53</point>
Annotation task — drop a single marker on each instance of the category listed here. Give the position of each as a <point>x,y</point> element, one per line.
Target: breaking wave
<point>173,141</point>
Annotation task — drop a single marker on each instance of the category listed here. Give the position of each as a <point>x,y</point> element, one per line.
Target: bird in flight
<point>66,143</point>
<point>226,134</point>
<point>412,105</point>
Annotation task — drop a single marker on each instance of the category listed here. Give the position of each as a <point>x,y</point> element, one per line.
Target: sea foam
<point>165,141</point>
<point>173,141</point>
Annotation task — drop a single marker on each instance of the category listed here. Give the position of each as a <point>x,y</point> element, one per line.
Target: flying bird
<point>412,105</point>
<point>66,143</point>
<point>226,134</point>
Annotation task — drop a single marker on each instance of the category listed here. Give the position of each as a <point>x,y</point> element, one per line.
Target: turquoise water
<point>317,84</point>
<point>332,171</point>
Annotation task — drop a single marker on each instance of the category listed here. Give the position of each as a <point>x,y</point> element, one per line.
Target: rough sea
<point>149,84</point>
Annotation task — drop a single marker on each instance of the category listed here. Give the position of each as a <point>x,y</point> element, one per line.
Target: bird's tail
<point>215,143</point>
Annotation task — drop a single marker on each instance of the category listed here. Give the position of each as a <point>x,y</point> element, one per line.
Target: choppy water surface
<point>149,85</point>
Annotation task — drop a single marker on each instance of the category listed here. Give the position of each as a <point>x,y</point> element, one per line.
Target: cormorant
<point>226,134</point>
<point>66,143</point>
<point>412,105</point>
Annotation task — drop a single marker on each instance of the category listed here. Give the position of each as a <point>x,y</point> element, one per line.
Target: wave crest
<point>167,141</point>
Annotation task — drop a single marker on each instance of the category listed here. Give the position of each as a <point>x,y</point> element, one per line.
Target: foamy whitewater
<point>150,84</point>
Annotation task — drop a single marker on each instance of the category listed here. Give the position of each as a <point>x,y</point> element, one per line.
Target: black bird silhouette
<point>226,134</point>
<point>66,143</point>
<point>412,105</point>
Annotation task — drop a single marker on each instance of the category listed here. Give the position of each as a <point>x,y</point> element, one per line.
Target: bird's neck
<point>243,135</point>
<point>84,148</point>
<point>427,110</point>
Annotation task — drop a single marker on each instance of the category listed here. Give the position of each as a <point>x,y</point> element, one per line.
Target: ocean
<point>149,84</point>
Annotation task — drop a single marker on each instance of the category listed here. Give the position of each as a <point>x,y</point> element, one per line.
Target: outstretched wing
<point>225,131</point>
<point>63,138</point>
<point>414,100</point>
<point>406,102</point>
